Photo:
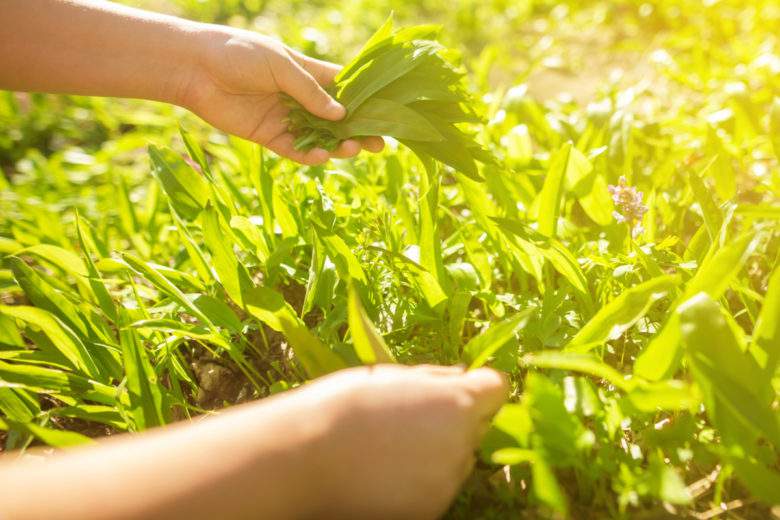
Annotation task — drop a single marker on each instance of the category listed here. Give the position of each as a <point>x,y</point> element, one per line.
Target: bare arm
<point>387,442</point>
<point>229,77</point>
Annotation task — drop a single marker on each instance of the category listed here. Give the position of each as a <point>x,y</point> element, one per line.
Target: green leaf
<point>9,332</point>
<point>761,480</point>
<point>49,380</point>
<point>146,398</point>
<point>232,274</point>
<point>347,264</point>
<point>95,281</point>
<point>612,320</point>
<point>50,436</point>
<point>270,308</point>
<point>386,117</point>
<point>666,483</point>
<point>535,244</point>
<point>729,377</point>
<point>66,260</point>
<point>713,218</point>
<point>17,405</point>
<point>664,395</point>
<point>479,349</point>
<point>765,346</point>
<point>369,345</point>
<point>585,363</point>
<point>186,189</point>
<point>564,163</point>
<point>663,354</point>
<point>63,338</point>
<point>546,487</point>
<point>162,283</point>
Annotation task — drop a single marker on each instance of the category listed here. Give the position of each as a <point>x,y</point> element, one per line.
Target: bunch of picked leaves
<point>402,84</point>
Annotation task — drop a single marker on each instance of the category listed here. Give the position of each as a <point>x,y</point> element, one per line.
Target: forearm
<point>248,462</point>
<point>92,47</point>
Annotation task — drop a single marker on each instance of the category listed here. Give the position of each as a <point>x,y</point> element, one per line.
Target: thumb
<point>302,86</point>
<point>489,388</point>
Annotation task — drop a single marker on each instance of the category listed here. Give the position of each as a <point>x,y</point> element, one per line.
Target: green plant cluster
<point>150,274</point>
<point>401,86</point>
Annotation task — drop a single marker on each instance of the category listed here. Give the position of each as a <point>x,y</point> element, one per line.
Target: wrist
<point>176,84</point>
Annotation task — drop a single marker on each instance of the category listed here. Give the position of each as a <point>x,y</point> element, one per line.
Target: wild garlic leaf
<point>385,117</point>
<point>403,84</point>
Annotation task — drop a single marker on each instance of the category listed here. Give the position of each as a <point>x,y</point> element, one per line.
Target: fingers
<point>323,71</point>
<point>348,148</point>
<point>295,81</point>
<point>284,144</point>
<point>489,388</point>
<point>373,144</point>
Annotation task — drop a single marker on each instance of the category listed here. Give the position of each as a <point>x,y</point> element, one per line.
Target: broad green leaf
<point>284,216</point>
<point>161,282</point>
<point>186,189</point>
<point>232,274</point>
<point>552,194</point>
<point>662,356</point>
<point>480,348</point>
<point>430,243</point>
<point>721,170</point>
<point>146,398</point>
<point>9,332</point>
<point>729,377</point>
<point>66,260</point>
<point>663,395</point>
<point>270,308</point>
<point>346,262</point>
<point>584,363</point>
<point>546,486</point>
<point>666,483</point>
<point>195,151</point>
<point>512,456</point>
<point>765,346</point>
<point>50,436</point>
<point>514,420</point>
<point>593,195</point>
<point>95,282</point>
<point>16,404</point>
<point>218,312</point>
<point>62,337</point>
<point>107,415</point>
<point>194,250</point>
<point>49,380</point>
<point>535,244</point>
<point>369,345</point>
<point>386,117</point>
<point>762,480</point>
<point>712,215</point>
<point>251,236</point>
<point>612,320</point>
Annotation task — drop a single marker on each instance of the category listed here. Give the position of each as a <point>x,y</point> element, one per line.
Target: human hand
<point>401,440</point>
<point>236,82</point>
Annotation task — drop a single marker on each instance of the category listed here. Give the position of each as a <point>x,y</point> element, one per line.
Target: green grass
<point>149,274</point>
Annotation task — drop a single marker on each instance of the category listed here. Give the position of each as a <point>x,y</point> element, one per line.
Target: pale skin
<point>380,442</point>
<point>231,78</point>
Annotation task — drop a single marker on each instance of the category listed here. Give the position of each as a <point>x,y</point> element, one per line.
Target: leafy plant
<point>149,275</point>
<point>402,84</point>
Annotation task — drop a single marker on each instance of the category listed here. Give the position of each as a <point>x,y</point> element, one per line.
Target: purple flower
<point>628,205</point>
